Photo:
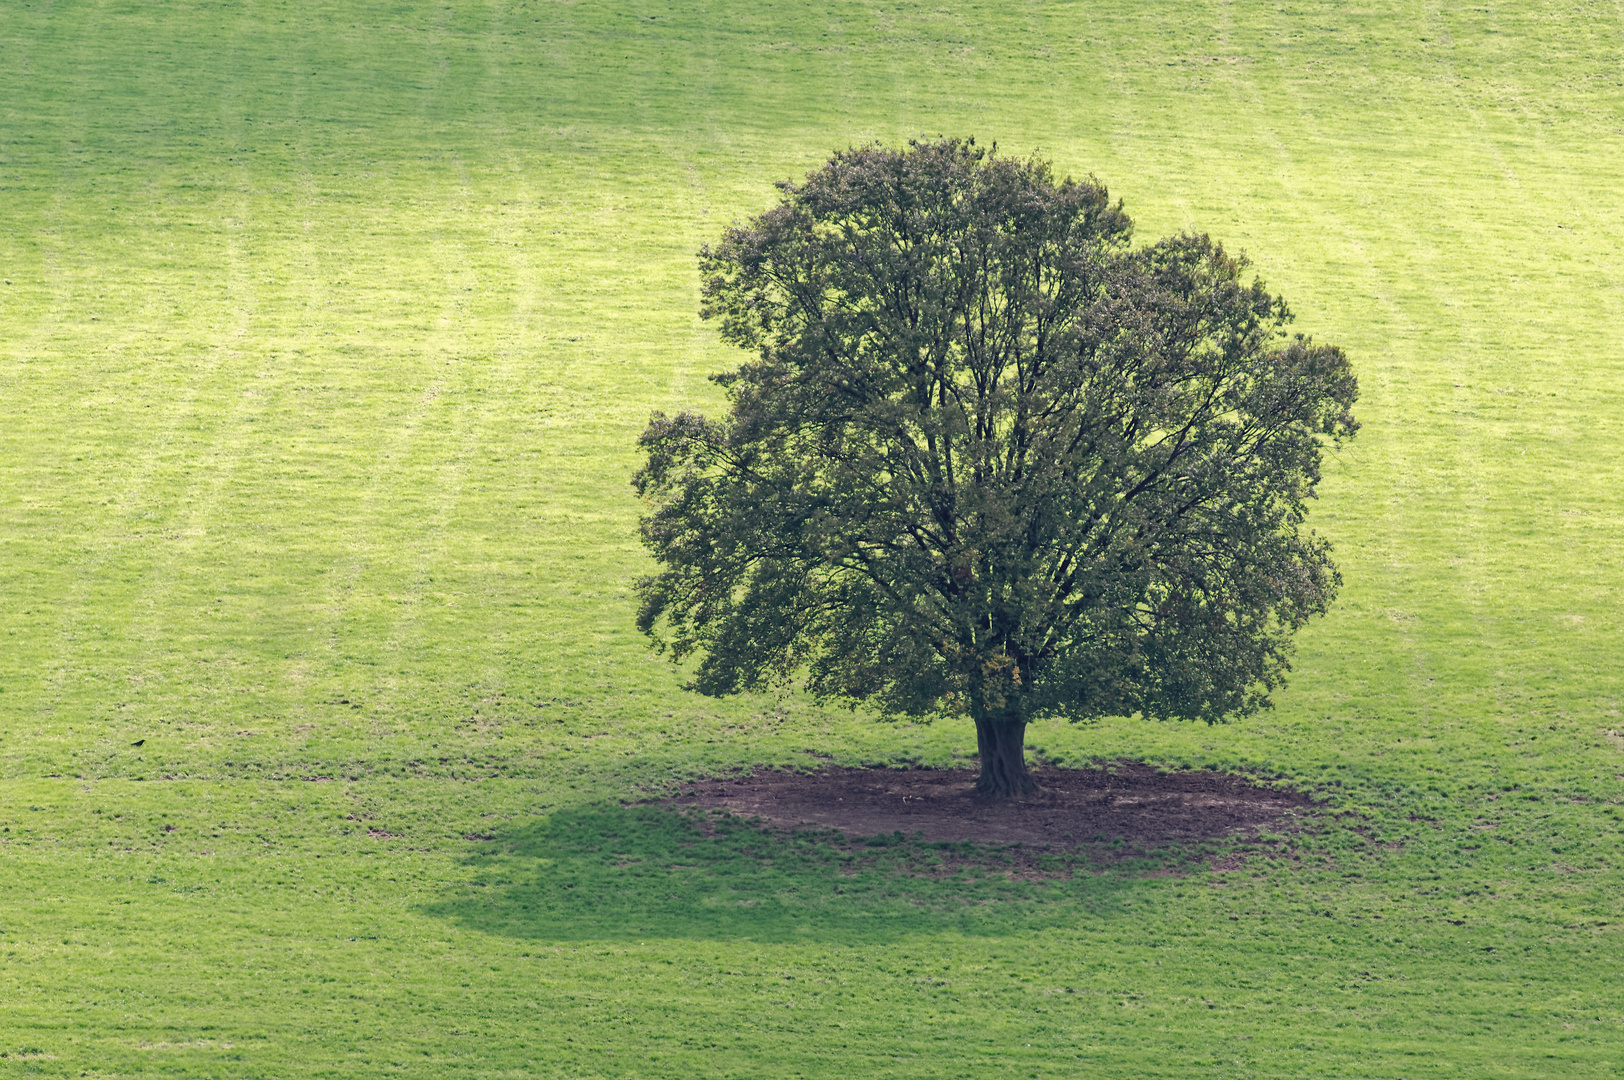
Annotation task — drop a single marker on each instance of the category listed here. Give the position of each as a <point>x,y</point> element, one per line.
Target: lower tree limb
<point>1003,759</point>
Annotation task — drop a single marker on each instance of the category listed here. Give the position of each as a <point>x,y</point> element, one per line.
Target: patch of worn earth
<point>1135,803</point>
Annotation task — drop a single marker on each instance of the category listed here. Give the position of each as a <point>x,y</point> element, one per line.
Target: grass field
<point>325,335</point>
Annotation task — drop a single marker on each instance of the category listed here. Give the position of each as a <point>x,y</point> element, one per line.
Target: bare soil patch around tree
<point>1141,806</point>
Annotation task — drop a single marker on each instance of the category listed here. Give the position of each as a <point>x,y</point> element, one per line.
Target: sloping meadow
<point>325,734</point>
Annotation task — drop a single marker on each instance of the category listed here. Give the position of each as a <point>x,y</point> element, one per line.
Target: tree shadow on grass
<point>622,873</point>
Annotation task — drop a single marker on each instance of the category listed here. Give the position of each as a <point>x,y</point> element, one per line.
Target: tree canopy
<point>988,458</point>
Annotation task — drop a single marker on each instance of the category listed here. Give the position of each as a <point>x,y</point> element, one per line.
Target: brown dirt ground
<point>1136,803</point>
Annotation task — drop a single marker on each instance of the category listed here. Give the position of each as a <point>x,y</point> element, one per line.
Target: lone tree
<point>987,458</point>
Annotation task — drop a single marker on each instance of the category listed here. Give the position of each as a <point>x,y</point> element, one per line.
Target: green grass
<point>325,336</point>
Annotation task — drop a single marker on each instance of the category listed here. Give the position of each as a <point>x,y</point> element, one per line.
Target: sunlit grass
<point>328,330</point>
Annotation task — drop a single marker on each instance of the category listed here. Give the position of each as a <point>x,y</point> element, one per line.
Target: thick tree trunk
<point>1003,759</point>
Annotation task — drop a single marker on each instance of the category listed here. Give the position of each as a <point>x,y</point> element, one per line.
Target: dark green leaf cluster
<point>989,457</point>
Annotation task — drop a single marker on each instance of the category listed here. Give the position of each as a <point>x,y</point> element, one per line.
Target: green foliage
<point>329,331</point>
<point>987,459</point>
